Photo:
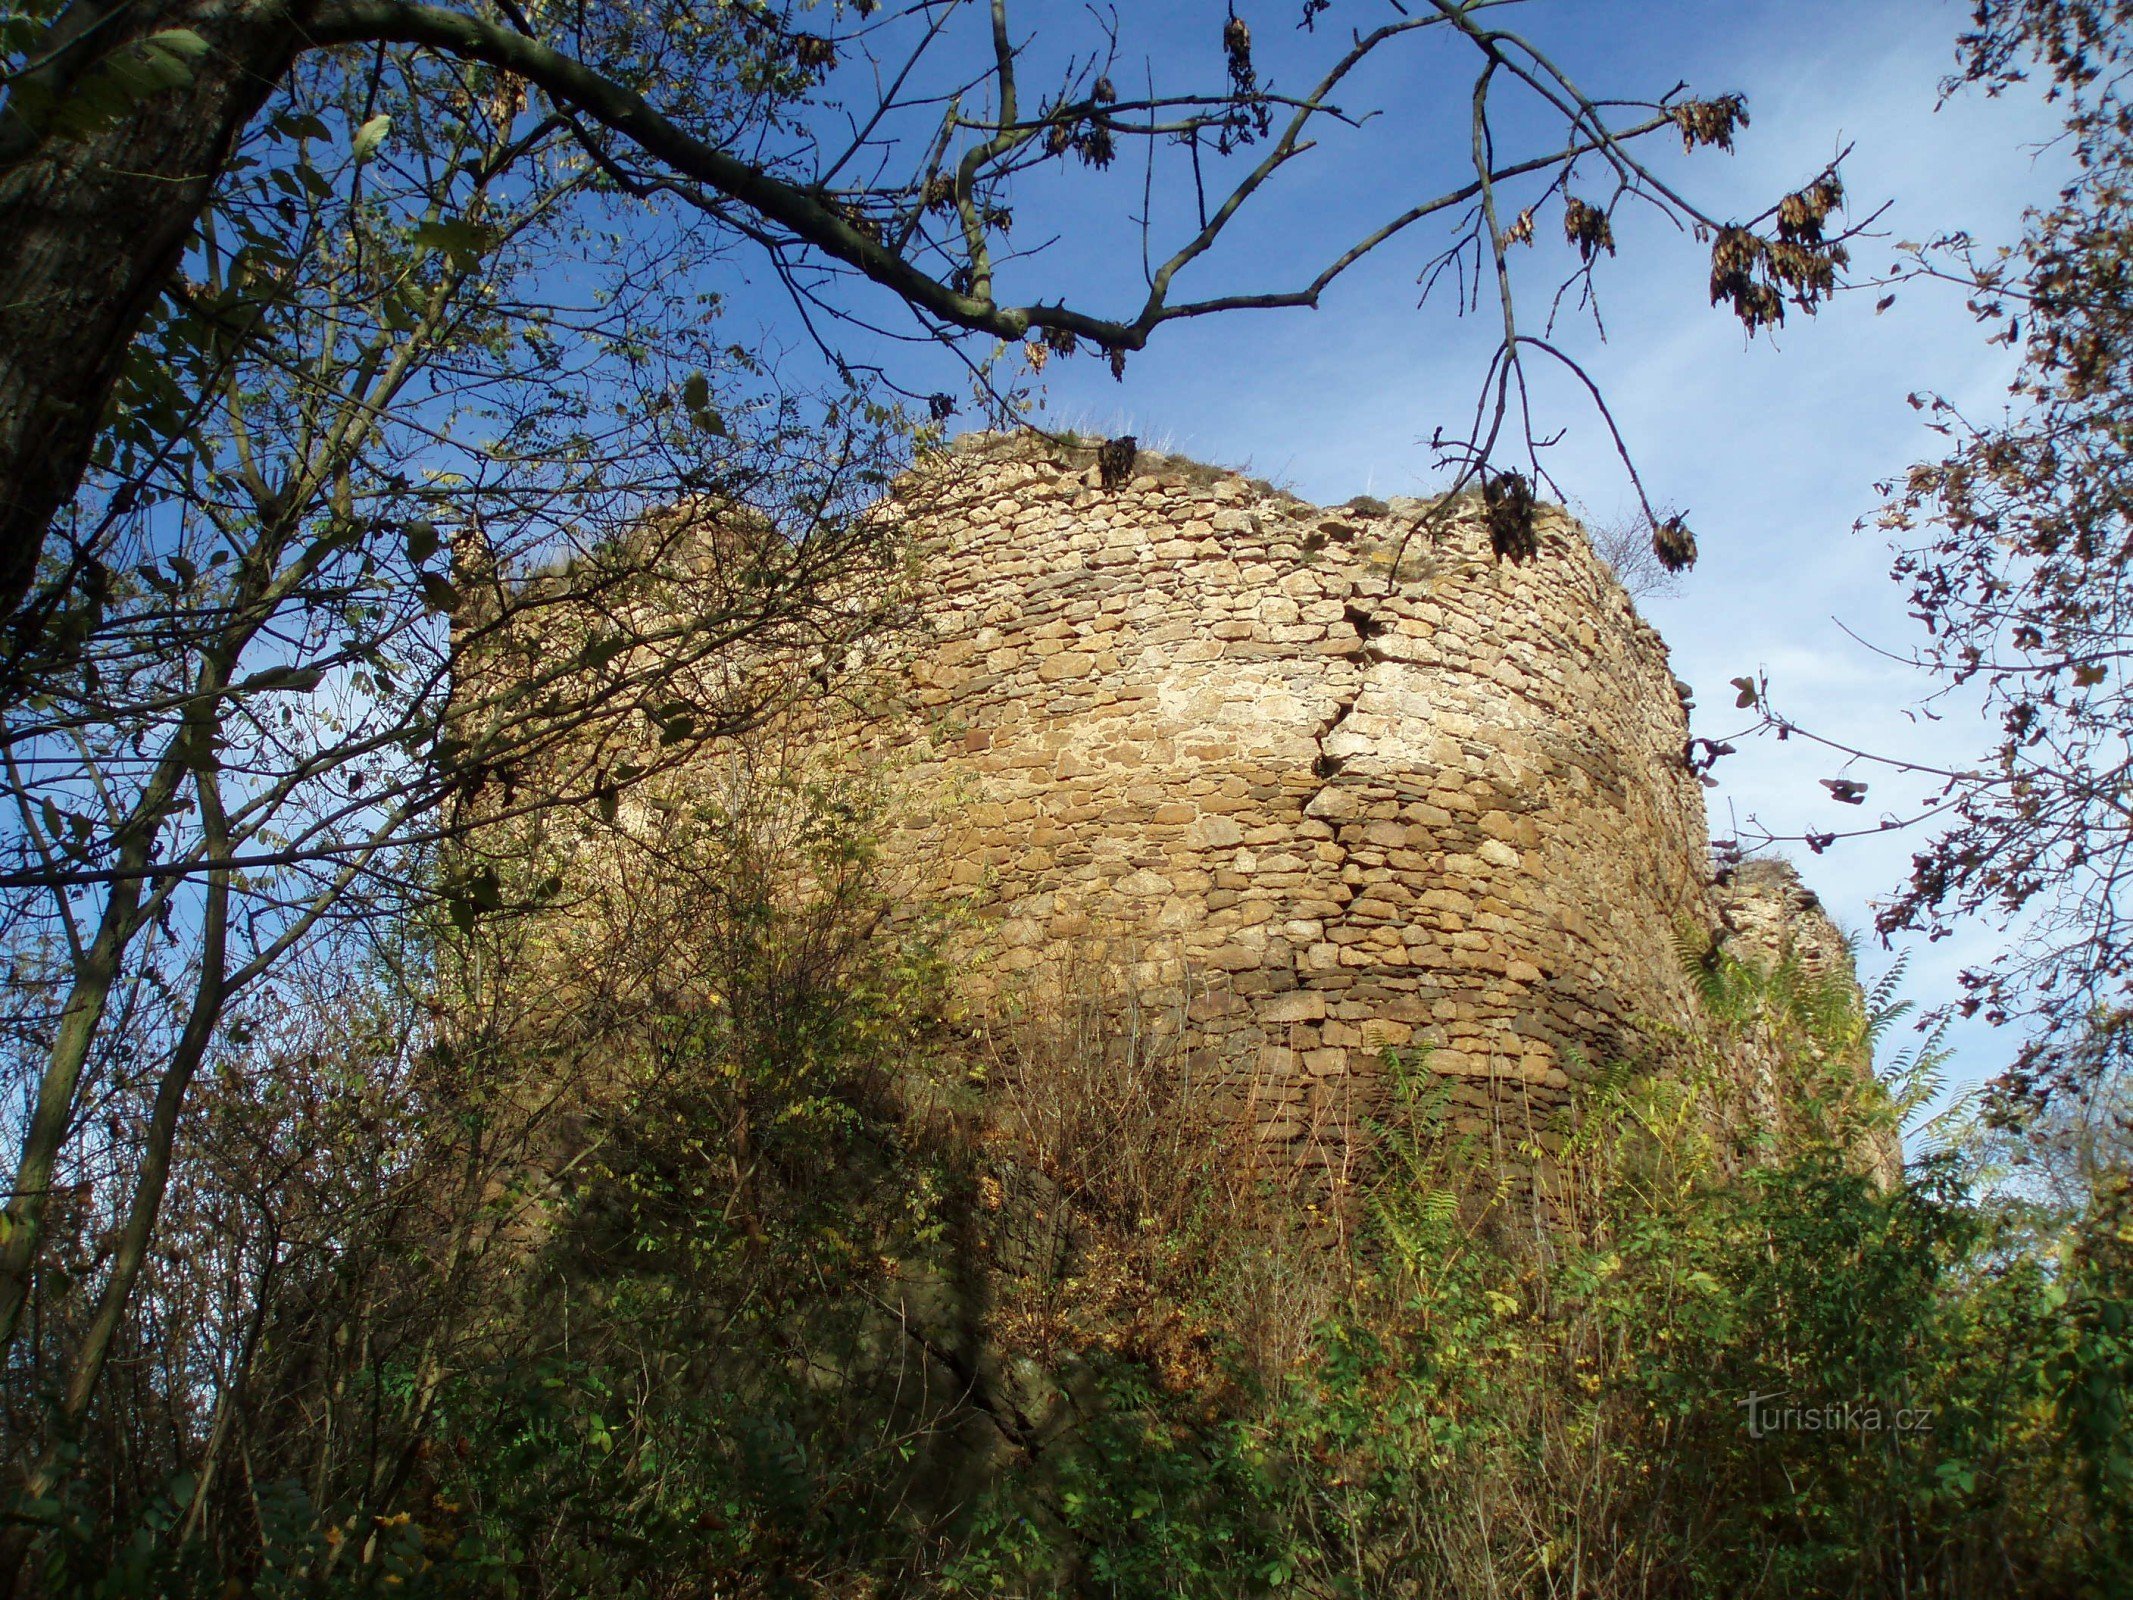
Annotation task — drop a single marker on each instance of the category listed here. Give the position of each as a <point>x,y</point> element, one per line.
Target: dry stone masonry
<point>1199,724</point>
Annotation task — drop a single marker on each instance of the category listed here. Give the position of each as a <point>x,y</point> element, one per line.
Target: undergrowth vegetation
<point>689,1243</point>
<point>1712,1359</point>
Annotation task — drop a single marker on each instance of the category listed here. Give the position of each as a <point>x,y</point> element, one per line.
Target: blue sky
<point>1772,446</point>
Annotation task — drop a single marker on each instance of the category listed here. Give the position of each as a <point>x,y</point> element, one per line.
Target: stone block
<point>1298,1005</point>
<point>1217,832</point>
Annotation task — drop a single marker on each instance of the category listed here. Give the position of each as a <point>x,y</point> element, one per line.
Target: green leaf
<point>300,125</point>
<point>180,42</point>
<point>370,136</point>
<point>599,652</point>
<point>296,680</point>
<point>152,69</point>
<point>456,235</point>
<point>696,393</point>
<point>422,541</point>
<point>437,594</point>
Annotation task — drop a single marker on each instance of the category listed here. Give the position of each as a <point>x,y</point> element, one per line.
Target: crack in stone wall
<point>1328,765</point>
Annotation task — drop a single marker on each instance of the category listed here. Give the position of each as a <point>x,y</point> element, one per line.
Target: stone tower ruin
<point>1344,780</point>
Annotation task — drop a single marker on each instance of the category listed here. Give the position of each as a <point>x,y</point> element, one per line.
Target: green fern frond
<point>1916,1077</point>
<point>1951,1128</point>
<point>1704,964</point>
<point>1882,996</point>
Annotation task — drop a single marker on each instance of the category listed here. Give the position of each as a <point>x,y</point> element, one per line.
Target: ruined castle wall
<point>1195,719</point>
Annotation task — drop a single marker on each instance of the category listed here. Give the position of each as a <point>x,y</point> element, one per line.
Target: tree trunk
<point>93,225</point>
<point>87,1364</point>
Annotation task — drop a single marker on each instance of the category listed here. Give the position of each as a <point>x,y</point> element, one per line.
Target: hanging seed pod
<point>1802,214</point>
<point>1507,503</point>
<point>1736,250</point>
<point>862,223</point>
<point>1237,46</point>
<point>1810,274</point>
<point>1115,458</point>
<point>1103,93</point>
<point>1709,121</point>
<point>1587,227</point>
<point>1798,222</point>
<point>1057,137</point>
<point>1061,340</point>
<point>813,52</point>
<point>1738,257</point>
<point>1674,545</point>
<point>1095,146</point>
<point>1117,355</point>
